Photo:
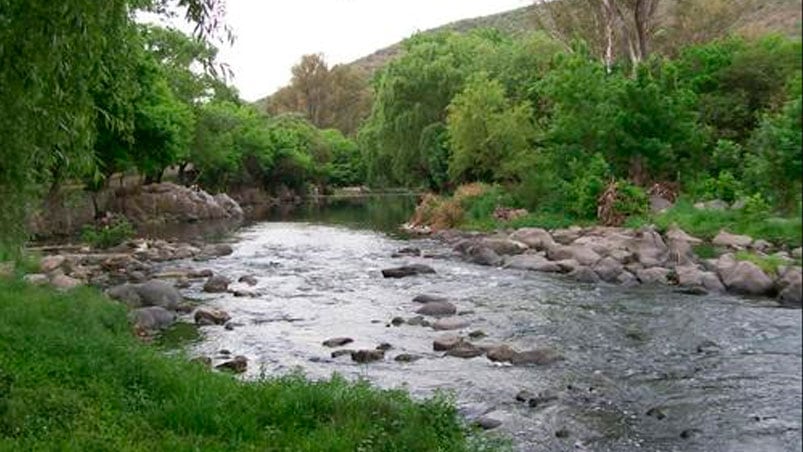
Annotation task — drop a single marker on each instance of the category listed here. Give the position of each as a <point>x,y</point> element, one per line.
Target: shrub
<point>113,233</point>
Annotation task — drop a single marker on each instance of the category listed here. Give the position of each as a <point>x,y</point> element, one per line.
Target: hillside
<point>774,15</point>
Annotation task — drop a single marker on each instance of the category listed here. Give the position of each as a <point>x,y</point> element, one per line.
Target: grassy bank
<point>72,377</point>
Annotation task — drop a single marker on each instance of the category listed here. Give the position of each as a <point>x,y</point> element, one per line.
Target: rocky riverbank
<point>643,256</point>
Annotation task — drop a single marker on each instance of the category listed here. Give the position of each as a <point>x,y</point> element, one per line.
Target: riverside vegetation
<point>561,131</point>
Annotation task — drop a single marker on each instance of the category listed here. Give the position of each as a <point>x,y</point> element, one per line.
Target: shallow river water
<point>645,368</point>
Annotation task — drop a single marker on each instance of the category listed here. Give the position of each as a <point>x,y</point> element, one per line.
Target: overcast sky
<point>272,35</point>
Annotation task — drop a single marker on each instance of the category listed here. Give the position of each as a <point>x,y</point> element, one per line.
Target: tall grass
<point>72,377</point>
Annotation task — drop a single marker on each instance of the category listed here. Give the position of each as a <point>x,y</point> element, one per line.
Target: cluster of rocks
<point>638,256</point>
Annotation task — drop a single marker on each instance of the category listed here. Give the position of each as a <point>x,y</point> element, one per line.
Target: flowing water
<point>715,373</point>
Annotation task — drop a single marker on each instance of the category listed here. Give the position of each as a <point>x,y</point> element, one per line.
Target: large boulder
<point>167,202</point>
<point>483,255</point>
<point>532,262</point>
<point>584,274</point>
<point>790,287</point>
<point>608,269</point>
<point>567,236</point>
<point>446,342</point>
<point>747,278</point>
<point>151,318</point>
<point>649,248</point>
<point>583,255</point>
<point>504,246</point>
<point>734,241</point>
<point>216,284</point>
<point>653,275</point>
<point>149,293</point>
<point>536,238</point>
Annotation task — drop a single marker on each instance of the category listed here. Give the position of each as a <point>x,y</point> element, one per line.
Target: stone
<point>237,365</point>
<point>418,321</point>
<point>437,309</point>
<point>734,241</point>
<point>406,358</point>
<point>482,255</point>
<point>539,356</point>
<point>248,279</point>
<point>446,342</point>
<point>64,282</point>
<point>37,279</point>
<point>217,284</point>
<point>790,288</point>
<point>477,334</point>
<point>761,245</point>
<point>608,269</point>
<point>659,204</point>
<point>675,233</point>
<point>653,275</point>
<point>567,265</point>
<point>648,247</point>
<point>747,278</point>
<point>230,206</point>
<point>197,274</point>
<point>689,276</point>
<point>407,251</point>
<point>450,323</point>
<point>566,236</point>
<point>503,247</point>
<point>50,263</point>
<point>149,293</point>
<point>501,353</point>
<point>367,356</point>
<point>384,346</point>
<point>797,253</point>
<point>397,321</point>
<point>627,279</point>
<point>213,250</point>
<point>465,350</point>
<point>712,283</point>
<point>542,399</point>
<point>407,270</point>
<point>535,238</point>
<point>582,254</point>
<point>151,318</point>
<point>584,274</point>
<point>337,341</point>
<point>524,395</point>
<point>208,316</point>
<point>204,361</point>
<point>427,298</point>
<point>487,423</point>
<point>532,262</point>
<point>342,352</point>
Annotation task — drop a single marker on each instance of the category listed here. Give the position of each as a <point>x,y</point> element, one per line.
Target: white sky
<point>272,35</point>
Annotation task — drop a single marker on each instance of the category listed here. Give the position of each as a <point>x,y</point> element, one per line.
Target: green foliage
<point>346,167</point>
<point>583,191</point>
<point>108,235</point>
<point>74,377</point>
<point>631,200</point>
<point>486,132</point>
<point>767,264</point>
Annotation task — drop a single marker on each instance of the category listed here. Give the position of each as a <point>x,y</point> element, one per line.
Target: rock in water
<point>337,341</point>
<point>407,270</point>
<point>446,342</point>
<point>367,356</point>
<point>464,350</point>
<point>450,323</point>
<point>746,278</point>
<point>237,365</point>
<point>204,316</point>
<point>406,358</point>
<point>426,298</point>
<point>437,308</point>
<point>216,284</point>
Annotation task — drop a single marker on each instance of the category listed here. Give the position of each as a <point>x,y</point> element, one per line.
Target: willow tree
<point>53,58</point>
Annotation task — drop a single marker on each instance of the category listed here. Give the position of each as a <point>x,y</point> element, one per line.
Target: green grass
<point>707,223</point>
<point>73,377</point>
<point>768,264</point>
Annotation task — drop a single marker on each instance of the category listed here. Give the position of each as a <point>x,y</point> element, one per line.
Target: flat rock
<point>501,353</point>
<point>406,358</point>
<point>465,350</point>
<point>450,323</point>
<point>735,241</point>
<point>342,352</point>
<point>532,262</point>
<point>437,308</point>
<point>487,423</point>
<point>337,341</point>
<point>407,270</point>
<point>539,356</point>
<point>536,238</point>
<point>428,298</point>
<point>208,316</point>
<point>367,356</point>
<point>446,342</point>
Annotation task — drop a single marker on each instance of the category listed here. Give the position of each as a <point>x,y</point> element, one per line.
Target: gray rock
<point>64,282</point>
<point>761,245</point>
<point>450,323</point>
<point>149,293</point>
<point>152,318</point>
<point>342,352</point>
<point>583,255</point>
<point>648,247</point>
<point>406,358</point>
<point>50,263</point>
<point>437,308</point>
<point>689,276</point>
<point>215,250</point>
<point>503,247</point>
<point>716,204</point>
<point>207,316</point>
<point>608,269</point>
<point>407,270</point>
<point>501,353</point>
<point>487,423</point>
<point>535,238</point>
<point>532,262</point>
<point>584,274</point>
<point>675,233</point>
<point>734,241</point>
<point>627,279</point>
<point>384,346</point>
<point>790,288</point>
<point>653,275</point>
<point>337,341</point>
<point>248,279</point>
<point>237,365</point>
<point>418,321</point>
<point>37,279</point>
<point>659,204</point>
<point>446,342</point>
<point>539,356</point>
<point>202,273</point>
<point>712,283</point>
<point>367,356</point>
<point>566,236</point>
<point>407,251</point>
<point>216,284</point>
<point>747,278</point>
<point>465,350</point>
<point>567,265</point>
<point>524,395</point>
<point>482,255</point>
<point>797,253</point>
<point>428,298</point>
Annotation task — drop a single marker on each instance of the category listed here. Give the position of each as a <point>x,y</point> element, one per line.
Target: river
<point>646,369</point>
